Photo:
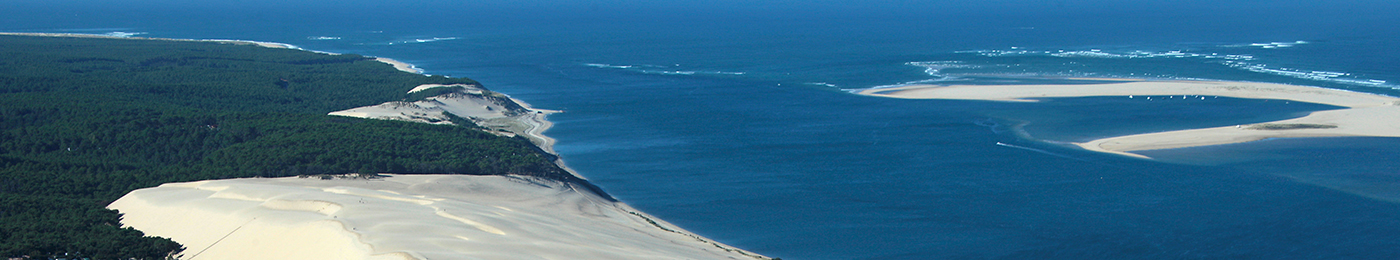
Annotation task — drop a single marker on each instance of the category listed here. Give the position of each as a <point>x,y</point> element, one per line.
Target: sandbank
<point>405,217</point>
<point>1363,114</point>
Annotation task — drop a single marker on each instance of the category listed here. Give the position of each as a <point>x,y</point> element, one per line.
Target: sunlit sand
<point>1363,114</point>
<point>405,217</point>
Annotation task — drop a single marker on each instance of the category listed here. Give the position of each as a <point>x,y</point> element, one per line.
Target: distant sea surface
<point>733,119</point>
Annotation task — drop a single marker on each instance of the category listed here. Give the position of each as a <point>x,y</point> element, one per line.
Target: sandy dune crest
<point>405,217</point>
<point>496,112</point>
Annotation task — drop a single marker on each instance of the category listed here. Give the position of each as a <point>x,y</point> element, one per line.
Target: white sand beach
<point>406,217</point>
<point>399,65</point>
<point>402,66</point>
<point>1364,114</point>
<point>274,45</point>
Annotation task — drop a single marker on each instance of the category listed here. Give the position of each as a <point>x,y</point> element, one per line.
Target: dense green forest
<point>86,120</point>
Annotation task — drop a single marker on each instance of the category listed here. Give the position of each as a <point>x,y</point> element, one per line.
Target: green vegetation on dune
<point>87,120</point>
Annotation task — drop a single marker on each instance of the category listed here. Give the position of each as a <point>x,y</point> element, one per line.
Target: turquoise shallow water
<point>734,121</point>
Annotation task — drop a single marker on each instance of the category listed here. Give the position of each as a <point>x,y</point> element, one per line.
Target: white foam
<point>942,79</point>
<point>609,66</point>
<point>1240,61</point>
<point>1098,53</point>
<point>655,69</point>
<point>122,34</point>
<point>425,40</point>
<point>323,38</point>
<point>1319,75</point>
<point>1269,45</point>
<point>934,68</point>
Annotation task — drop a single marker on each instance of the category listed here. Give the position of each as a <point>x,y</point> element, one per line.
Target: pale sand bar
<point>1364,114</point>
<point>401,66</point>
<point>406,217</point>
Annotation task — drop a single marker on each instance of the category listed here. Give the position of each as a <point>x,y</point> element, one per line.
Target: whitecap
<point>1099,53</point>
<point>668,72</point>
<point>108,29</point>
<point>425,40</point>
<point>934,68</point>
<point>1318,75</point>
<point>609,66</point>
<point>122,34</point>
<point>1268,45</point>
<point>655,69</point>
<point>1240,61</point>
<point>690,72</point>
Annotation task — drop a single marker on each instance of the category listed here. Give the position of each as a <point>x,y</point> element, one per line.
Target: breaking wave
<point>1098,53</point>
<point>424,40</point>
<point>1268,45</point>
<point>661,70</point>
<point>122,34</point>
<point>1246,62</point>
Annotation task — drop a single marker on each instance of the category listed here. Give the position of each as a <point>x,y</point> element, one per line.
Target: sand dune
<point>1364,114</point>
<point>405,217</point>
<point>498,113</point>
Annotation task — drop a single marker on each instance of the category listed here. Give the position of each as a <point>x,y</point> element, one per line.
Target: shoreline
<point>275,45</point>
<point>356,216</point>
<point>401,66</point>
<point>1362,114</point>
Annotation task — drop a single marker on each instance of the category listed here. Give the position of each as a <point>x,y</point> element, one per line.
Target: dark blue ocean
<point>733,119</point>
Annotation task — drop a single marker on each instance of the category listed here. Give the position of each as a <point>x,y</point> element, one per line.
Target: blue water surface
<point>733,119</point>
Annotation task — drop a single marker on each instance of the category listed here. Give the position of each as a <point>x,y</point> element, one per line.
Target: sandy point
<point>399,65</point>
<point>1362,114</point>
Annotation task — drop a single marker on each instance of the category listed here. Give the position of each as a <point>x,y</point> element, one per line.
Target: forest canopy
<point>87,120</point>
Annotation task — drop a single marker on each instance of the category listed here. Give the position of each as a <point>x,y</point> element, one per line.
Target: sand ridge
<point>498,113</point>
<point>405,217</point>
<point>1364,114</point>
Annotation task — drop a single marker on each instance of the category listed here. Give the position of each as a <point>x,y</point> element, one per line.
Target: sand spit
<point>401,66</point>
<point>496,112</point>
<point>84,35</point>
<point>405,217</point>
<point>1364,114</point>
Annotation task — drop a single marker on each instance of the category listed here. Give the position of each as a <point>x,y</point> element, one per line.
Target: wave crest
<point>1245,62</point>
<point>122,34</point>
<point>661,70</point>
<point>424,40</point>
